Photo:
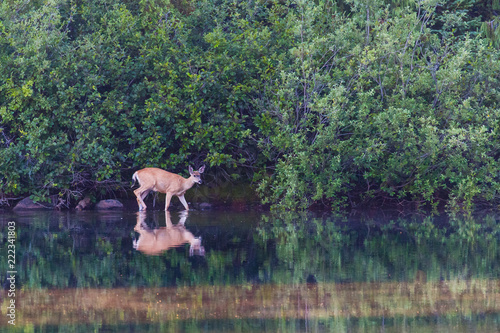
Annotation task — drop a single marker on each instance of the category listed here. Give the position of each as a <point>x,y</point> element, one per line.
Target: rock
<point>28,204</point>
<point>85,203</point>
<point>205,206</point>
<point>109,204</point>
<point>311,279</point>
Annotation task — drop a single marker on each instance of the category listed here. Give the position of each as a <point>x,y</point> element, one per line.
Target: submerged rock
<point>28,204</point>
<point>109,204</point>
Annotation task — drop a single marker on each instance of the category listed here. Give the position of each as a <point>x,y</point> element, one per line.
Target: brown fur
<point>158,180</point>
<point>156,241</point>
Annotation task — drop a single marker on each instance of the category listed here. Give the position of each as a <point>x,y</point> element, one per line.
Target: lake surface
<point>213,271</point>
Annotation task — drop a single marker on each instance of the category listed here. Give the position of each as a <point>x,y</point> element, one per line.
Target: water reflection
<point>154,241</point>
<point>444,306</point>
<point>81,272</point>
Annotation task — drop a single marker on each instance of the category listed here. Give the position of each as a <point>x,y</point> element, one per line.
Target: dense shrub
<point>318,102</point>
<point>388,109</point>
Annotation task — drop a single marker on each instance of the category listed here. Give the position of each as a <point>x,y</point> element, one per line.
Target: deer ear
<point>201,169</point>
<point>190,170</point>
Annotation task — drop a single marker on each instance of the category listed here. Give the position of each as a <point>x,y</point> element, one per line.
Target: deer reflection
<point>157,240</point>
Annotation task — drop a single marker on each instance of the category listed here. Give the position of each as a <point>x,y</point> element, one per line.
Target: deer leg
<point>167,200</point>
<point>168,221</point>
<point>141,222</point>
<point>183,201</point>
<point>139,194</point>
<point>144,194</point>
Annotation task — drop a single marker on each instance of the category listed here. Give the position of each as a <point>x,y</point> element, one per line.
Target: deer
<point>158,240</point>
<point>158,180</point>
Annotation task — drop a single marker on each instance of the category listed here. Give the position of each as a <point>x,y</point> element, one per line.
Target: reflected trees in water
<point>278,270</point>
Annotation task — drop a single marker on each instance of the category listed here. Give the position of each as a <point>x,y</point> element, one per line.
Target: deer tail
<point>134,179</point>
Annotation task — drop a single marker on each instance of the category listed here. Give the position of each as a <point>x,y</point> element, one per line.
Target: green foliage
<point>385,109</point>
<point>336,102</point>
<point>91,90</point>
<point>491,31</point>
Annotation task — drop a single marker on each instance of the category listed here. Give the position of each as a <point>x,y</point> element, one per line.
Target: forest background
<point>314,103</point>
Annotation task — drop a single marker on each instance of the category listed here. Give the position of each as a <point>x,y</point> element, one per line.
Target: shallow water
<point>247,271</point>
